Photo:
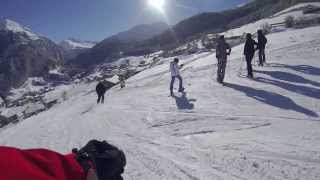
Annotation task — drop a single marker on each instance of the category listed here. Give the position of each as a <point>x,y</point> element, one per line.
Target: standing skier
<point>122,81</point>
<point>101,90</point>
<point>222,51</point>
<point>262,41</point>
<point>175,73</point>
<point>249,50</point>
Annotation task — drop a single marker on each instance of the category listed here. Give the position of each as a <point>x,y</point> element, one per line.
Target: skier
<point>262,41</point>
<point>122,81</point>
<point>3,99</point>
<point>101,90</point>
<point>98,160</point>
<point>222,51</point>
<point>175,73</point>
<point>249,49</point>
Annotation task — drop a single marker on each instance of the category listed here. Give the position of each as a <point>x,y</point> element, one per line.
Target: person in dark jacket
<point>223,50</point>
<point>101,90</point>
<point>262,41</point>
<point>249,50</point>
<point>97,160</point>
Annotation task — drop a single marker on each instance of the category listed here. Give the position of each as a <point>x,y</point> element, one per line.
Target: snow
<point>262,129</point>
<point>13,26</point>
<point>56,71</point>
<point>77,44</point>
<point>301,5</point>
<point>267,128</point>
<point>114,79</point>
<point>278,18</point>
<point>27,87</point>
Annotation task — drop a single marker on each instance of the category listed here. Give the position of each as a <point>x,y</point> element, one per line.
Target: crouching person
<point>95,161</point>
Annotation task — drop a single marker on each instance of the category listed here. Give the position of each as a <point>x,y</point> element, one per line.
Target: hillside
<point>267,128</point>
<point>24,54</point>
<point>190,28</point>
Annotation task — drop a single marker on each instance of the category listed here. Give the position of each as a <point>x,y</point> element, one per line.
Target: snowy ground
<point>268,128</point>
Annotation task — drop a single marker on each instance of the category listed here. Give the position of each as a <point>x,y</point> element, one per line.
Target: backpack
<point>108,160</point>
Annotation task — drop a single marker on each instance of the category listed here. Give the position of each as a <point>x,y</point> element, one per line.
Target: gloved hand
<point>108,159</point>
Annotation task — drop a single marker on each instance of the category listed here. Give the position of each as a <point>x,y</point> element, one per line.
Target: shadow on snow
<point>273,99</point>
<point>183,102</point>
<point>303,90</point>
<point>311,70</point>
<point>285,76</point>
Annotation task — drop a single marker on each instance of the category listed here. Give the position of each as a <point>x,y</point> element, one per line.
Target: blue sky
<point>98,19</point>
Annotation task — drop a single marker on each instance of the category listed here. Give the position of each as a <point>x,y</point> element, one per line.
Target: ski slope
<point>267,128</point>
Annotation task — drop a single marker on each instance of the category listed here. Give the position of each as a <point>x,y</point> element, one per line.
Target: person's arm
<point>245,48</point>
<point>229,50</point>
<point>257,45</point>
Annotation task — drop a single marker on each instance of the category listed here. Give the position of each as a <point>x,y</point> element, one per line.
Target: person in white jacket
<point>175,73</point>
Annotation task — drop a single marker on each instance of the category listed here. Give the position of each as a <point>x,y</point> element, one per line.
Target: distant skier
<point>101,90</point>
<point>98,160</point>
<point>3,99</point>
<point>122,81</point>
<point>249,49</point>
<point>262,41</point>
<point>222,51</point>
<point>175,73</point>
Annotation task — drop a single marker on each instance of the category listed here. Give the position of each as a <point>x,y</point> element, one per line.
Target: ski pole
<point>240,69</point>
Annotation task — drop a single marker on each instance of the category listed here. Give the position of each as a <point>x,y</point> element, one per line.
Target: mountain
<point>73,47</point>
<point>72,44</point>
<point>24,54</point>
<point>218,22</point>
<point>124,43</point>
<point>143,32</point>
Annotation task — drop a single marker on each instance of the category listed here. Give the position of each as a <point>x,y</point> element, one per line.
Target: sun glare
<point>157,4</point>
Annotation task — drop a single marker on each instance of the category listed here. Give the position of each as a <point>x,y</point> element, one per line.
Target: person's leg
<point>172,83</point>
<point>99,98</point>
<point>249,65</point>
<point>102,98</point>
<point>180,83</point>
<point>260,57</point>
<point>263,55</point>
<point>223,69</point>
<point>219,70</point>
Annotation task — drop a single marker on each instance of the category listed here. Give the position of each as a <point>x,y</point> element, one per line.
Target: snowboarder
<point>249,50</point>
<point>98,160</point>
<point>101,90</point>
<point>175,73</point>
<point>262,41</point>
<point>222,51</point>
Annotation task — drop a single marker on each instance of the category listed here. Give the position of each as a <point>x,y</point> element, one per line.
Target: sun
<point>157,4</point>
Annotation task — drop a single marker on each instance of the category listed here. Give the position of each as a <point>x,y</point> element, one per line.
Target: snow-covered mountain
<point>74,44</point>
<point>24,54</point>
<point>143,32</point>
<point>125,42</point>
<point>9,25</point>
<point>263,128</point>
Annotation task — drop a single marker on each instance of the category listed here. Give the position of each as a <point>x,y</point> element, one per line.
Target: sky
<point>94,20</point>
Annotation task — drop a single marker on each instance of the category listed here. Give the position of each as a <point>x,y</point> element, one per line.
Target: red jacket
<point>38,164</point>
